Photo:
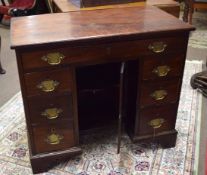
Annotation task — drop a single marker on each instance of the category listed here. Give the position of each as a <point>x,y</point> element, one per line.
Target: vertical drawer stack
<point>49,95</point>
<point>159,83</point>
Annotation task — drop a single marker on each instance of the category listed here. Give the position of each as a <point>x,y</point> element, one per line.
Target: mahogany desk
<point>69,67</point>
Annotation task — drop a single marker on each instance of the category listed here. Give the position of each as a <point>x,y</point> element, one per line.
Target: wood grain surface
<point>92,25</point>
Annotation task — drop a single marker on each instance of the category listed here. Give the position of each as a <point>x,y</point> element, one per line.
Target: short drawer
<point>159,92</point>
<point>61,56</point>
<point>102,52</point>
<point>160,67</point>
<point>48,82</point>
<point>54,137</point>
<point>156,119</point>
<point>50,109</point>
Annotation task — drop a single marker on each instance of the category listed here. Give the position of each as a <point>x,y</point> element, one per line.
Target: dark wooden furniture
<point>199,81</point>
<point>94,3</point>
<point>70,76</point>
<point>68,6</point>
<point>169,6</point>
<point>2,71</point>
<point>190,6</point>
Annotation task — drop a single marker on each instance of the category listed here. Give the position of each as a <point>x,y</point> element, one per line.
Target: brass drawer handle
<point>51,113</point>
<point>156,123</point>
<point>159,95</point>
<point>157,47</point>
<point>54,138</point>
<point>53,58</point>
<point>48,85</point>
<point>161,71</point>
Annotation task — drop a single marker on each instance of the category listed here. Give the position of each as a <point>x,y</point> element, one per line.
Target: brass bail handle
<point>48,85</point>
<point>54,138</point>
<point>156,123</point>
<point>159,95</point>
<point>161,71</point>
<point>53,58</point>
<point>157,47</point>
<point>52,113</point>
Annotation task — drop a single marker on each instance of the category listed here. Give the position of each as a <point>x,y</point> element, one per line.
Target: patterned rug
<point>99,151</point>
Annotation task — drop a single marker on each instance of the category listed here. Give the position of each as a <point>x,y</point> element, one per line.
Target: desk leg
<point>2,71</point>
<point>186,10</point>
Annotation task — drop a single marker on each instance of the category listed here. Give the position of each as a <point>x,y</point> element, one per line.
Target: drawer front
<point>61,56</point>
<point>156,119</point>
<point>50,109</point>
<point>48,82</point>
<point>54,137</point>
<point>102,52</point>
<point>155,47</point>
<point>160,67</point>
<point>153,93</point>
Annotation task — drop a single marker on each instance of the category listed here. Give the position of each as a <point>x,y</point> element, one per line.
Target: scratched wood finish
<point>92,25</point>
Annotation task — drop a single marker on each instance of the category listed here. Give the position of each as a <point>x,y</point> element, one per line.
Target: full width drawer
<point>54,137</point>
<point>50,109</point>
<point>156,119</point>
<point>101,53</point>
<point>48,82</point>
<point>160,67</point>
<point>159,92</point>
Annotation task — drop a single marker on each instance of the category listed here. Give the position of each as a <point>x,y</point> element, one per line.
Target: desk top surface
<point>84,26</point>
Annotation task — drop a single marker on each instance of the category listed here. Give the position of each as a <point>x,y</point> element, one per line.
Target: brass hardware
<point>161,71</point>
<point>48,85</point>
<point>53,58</point>
<point>156,123</point>
<point>51,113</point>
<point>54,138</point>
<point>159,95</point>
<point>157,47</point>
